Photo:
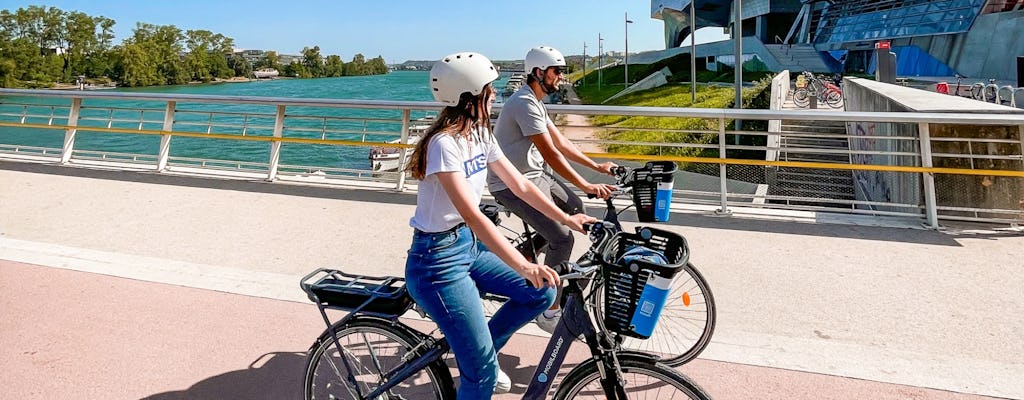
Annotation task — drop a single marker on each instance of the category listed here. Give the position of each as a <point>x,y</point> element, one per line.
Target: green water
<point>399,85</point>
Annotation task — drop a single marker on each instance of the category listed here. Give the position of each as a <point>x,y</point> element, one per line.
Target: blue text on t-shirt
<point>475,164</point>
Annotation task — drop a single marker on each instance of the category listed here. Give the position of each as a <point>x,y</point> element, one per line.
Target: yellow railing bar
<point>804,164</point>
<point>619,156</point>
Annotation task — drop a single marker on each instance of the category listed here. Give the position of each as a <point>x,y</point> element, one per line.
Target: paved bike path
<point>73,334</point>
<point>794,292</point>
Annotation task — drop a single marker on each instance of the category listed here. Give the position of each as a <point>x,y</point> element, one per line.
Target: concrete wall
<point>991,192</point>
<point>651,81</point>
<point>873,136</point>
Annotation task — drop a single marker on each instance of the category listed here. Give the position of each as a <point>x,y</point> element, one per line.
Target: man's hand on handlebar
<point>576,221</point>
<point>601,190</point>
<point>607,168</point>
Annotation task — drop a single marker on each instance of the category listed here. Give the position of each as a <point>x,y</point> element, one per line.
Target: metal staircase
<point>821,142</point>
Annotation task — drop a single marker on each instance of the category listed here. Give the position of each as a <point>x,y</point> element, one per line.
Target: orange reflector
<point>686,299</point>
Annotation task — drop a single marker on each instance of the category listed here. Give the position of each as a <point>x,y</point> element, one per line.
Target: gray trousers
<point>559,237</point>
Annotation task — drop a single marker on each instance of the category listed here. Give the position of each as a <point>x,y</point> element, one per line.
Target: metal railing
<point>901,168</point>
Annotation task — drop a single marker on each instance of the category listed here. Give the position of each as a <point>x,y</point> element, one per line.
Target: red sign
<point>882,45</point>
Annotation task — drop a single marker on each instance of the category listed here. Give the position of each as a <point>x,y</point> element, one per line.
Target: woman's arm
<point>462,197</point>
<point>526,190</point>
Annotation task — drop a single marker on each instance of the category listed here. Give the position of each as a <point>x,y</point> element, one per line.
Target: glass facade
<point>864,20</point>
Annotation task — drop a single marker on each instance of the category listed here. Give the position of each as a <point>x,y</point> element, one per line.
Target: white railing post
<point>931,213</point>
<point>275,146</point>
<point>401,152</point>
<point>69,134</point>
<point>165,139</point>
<point>722,169</point>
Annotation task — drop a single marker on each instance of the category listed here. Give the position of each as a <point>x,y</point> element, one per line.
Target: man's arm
<point>573,153</point>
<point>561,166</point>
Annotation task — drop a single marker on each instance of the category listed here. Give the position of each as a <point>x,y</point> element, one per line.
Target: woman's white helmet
<point>543,57</point>
<point>459,73</point>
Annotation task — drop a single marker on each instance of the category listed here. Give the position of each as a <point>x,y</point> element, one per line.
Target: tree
<point>240,65</point>
<point>313,61</point>
<point>334,66</point>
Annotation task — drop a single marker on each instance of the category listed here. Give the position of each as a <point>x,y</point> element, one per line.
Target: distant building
<point>255,56</point>
<point>975,38</point>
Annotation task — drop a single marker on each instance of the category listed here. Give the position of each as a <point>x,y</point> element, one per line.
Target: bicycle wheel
<point>801,98</point>
<point>686,323</point>
<point>373,347</point>
<point>642,378</point>
<point>834,99</point>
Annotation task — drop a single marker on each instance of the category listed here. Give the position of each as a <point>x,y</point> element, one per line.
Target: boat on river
<point>514,82</point>
<point>385,159</point>
<point>265,73</point>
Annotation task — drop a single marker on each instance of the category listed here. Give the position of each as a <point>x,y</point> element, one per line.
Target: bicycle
<point>688,318</point>
<point>818,87</point>
<point>371,354</point>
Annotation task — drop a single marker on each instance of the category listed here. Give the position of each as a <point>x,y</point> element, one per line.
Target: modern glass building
<point>976,38</point>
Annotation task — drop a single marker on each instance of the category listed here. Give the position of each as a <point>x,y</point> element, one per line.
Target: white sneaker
<point>503,384</point>
<point>548,324</point>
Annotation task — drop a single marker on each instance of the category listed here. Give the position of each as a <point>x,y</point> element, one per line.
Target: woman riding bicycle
<point>447,267</point>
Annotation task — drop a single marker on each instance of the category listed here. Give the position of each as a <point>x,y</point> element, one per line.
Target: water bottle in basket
<point>654,294</point>
<point>652,191</point>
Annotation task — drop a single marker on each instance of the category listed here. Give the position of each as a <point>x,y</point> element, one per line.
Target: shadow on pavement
<point>212,182</point>
<point>271,377</point>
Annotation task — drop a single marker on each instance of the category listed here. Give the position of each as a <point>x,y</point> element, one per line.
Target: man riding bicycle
<point>535,146</point>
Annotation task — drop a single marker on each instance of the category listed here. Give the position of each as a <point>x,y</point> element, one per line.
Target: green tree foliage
<point>42,45</point>
<point>312,62</point>
<point>333,66</point>
<point>240,65</point>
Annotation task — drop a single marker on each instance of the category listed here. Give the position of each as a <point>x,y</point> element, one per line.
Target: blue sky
<point>397,30</point>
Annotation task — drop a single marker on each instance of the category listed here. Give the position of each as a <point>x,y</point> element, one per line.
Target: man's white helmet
<point>459,73</point>
<point>543,57</point>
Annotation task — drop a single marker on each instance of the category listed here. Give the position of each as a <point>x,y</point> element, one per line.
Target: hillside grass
<point>671,130</point>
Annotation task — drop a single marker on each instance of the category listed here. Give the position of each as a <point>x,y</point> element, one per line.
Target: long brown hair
<point>454,120</point>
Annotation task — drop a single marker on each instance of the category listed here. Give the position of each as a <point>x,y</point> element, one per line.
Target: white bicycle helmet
<point>543,57</point>
<point>459,73</point>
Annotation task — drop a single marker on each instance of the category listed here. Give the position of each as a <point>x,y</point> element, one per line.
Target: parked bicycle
<point>371,354</point>
<point>818,87</point>
<point>688,319</point>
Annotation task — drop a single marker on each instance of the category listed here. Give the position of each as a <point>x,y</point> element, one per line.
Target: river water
<point>398,85</point>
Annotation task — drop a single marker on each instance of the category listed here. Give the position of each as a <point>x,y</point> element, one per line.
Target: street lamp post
<point>627,48</point>
<point>584,63</point>
<point>693,54</point>
<point>600,61</point>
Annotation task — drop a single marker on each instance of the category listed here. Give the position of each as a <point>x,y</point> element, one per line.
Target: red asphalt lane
<point>77,335</point>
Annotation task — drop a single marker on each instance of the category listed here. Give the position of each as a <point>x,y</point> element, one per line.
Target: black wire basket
<point>624,283</point>
<point>645,187</point>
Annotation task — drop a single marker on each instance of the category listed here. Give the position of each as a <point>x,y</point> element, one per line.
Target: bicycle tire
<point>643,379</point>
<point>976,91</point>
<point>686,324</point>
<point>801,98</point>
<point>834,99</point>
<point>389,343</point>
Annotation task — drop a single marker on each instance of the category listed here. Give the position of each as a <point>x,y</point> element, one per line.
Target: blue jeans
<point>445,273</point>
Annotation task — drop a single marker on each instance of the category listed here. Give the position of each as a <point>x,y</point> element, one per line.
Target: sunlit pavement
<point>121,285</point>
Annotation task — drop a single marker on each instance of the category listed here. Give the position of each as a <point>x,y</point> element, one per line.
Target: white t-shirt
<point>446,153</point>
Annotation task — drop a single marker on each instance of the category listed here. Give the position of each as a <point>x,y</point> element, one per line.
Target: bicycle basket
<point>625,283</point>
<point>336,289</point>
<point>645,182</point>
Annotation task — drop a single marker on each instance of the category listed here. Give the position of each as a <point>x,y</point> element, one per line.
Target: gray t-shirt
<point>522,116</point>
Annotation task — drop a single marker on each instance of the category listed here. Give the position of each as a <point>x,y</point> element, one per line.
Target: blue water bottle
<point>662,201</point>
<point>648,309</point>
